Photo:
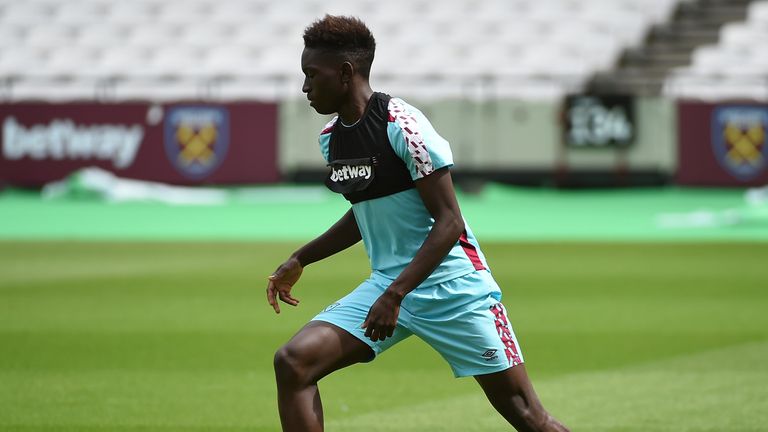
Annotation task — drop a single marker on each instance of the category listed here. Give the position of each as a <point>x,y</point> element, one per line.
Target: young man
<point>429,276</point>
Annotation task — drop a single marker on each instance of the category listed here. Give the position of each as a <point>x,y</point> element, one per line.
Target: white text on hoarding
<point>63,139</point>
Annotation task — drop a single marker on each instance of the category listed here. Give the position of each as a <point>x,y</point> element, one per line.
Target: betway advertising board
<point>188,144</point>
<point>722,144</point>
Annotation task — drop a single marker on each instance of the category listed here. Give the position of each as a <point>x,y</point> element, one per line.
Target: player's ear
<point>347,72</point>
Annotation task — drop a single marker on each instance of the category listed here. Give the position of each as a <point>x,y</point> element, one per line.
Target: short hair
<point>345,35</point>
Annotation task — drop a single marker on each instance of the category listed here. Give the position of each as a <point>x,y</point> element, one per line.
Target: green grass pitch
<point>179,337</point>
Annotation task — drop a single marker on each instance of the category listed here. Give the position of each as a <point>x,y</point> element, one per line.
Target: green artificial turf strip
<point>178,337</point>
<point>498,213</point>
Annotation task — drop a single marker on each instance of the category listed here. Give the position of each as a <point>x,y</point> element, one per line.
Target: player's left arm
<point>439,196</point>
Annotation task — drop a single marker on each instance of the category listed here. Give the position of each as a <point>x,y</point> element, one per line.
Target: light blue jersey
<point>395,226</point>
<point>457,310</point>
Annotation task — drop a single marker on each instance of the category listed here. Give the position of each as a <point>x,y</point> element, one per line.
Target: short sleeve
<point>325,139</point>
<point>415,140</point>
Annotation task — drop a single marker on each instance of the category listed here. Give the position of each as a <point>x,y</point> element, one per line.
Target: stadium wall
<point>508,140</point>
<point>522,142</point>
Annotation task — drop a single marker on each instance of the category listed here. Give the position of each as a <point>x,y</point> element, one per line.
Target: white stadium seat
<point>130,12</point>
<point>119,61</point>
<point>64,90</point>
<point>145,89</point>
<point>12,35</point>
<point>67,64</point>
<point>80,13</point>
<point>18,61</point>
<point>736,67</point>
<point>104,34</point>
<point>548,46</point>
<point>758,12</point>
<point>231,61</point>
<point>208,34</point>
<point>53,35</point>
<point>27,12</point>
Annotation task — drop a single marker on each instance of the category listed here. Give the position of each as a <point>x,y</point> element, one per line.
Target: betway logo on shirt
<point>348,172</point>
<point>63,139</point>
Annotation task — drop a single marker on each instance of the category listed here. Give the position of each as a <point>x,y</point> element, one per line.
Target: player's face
<point>322,80</point>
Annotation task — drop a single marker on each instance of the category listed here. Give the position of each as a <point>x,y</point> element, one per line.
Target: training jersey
<point>394,226</point>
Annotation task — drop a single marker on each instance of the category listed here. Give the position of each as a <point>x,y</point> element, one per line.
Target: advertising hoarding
<point>722,144</point>
<point>181,143</point>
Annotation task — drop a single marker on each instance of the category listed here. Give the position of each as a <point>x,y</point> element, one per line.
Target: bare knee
<point>291,367</point>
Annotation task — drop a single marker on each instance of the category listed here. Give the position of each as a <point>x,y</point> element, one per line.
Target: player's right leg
<point>512,394</point>
<point>464,320</point>
<point>314,352</point>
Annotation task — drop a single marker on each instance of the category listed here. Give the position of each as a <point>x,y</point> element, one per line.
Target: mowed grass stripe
<point>123,399</point>
<point>243,352</point>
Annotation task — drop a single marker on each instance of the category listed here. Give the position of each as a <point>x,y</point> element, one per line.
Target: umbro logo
<point>489,355</point>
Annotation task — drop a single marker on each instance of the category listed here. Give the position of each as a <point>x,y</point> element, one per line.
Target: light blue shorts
<point>463,319</point>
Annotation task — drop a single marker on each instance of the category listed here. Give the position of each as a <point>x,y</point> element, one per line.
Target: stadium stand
<point>734,67</point>
<point>668,47</point>
<point>249,49</point>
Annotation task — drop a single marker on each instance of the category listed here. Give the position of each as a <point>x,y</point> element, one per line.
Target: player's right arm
<point>340,236</point>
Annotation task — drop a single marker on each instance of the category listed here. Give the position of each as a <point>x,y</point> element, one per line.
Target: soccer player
<point>429,276</point>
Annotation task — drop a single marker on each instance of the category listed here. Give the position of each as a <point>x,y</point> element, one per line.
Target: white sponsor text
<point>351,172</point>
<point>63,139</point>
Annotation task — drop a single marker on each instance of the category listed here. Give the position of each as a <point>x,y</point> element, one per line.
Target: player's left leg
<point>317,350</point>
<point>331,341</point>
<point>511,393</point>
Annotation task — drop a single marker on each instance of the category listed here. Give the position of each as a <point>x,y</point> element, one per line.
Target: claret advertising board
<point>187,144</point>
<point>722,144</point>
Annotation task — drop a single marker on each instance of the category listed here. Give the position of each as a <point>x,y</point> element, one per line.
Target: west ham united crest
<point>738,138</point>
<point>196,139</point>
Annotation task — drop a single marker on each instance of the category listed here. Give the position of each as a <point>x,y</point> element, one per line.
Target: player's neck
<point>351,111</point>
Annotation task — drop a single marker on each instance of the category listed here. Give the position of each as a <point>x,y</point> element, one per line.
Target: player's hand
<point>281,282</point>
<point>382,317</point>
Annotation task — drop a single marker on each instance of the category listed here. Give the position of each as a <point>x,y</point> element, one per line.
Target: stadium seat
<point>102,35</point>
<point>66,64</point>
<point>28,13</point>
<point>11,35</point>
<point>156,90</point>
<point>235,42</point>
<point>133,12</point>
<point>721,89</point>
<point>122,61</point>
<point>255,89</point>
<point>57,90</point>
<point>758,12</point>
<point>80,13</point>
<point>231,61</point>
<point>736,67</point>
<point>17,61</point>
<point>55,36</point>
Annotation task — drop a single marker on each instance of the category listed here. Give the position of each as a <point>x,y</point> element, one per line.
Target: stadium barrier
<point>520,141</point>
<point>189,143</point>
